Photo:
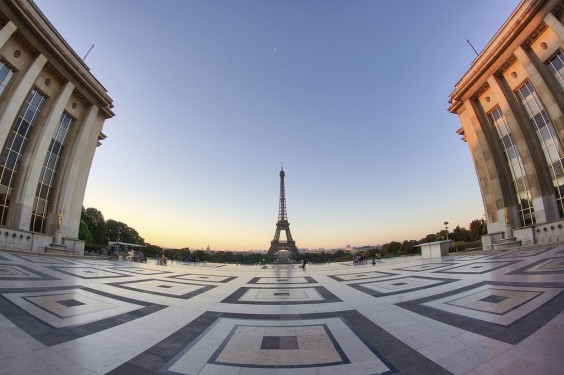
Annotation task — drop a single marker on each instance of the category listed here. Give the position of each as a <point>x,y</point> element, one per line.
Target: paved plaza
<point>480,313</point>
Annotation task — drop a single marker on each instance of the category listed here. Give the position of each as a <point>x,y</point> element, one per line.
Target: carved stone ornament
<point>74,105</point>
<point>513,74</point>
<point>17,53</point>
<point>488,99</point>
<point>47,82</point>
<point>543,45</point>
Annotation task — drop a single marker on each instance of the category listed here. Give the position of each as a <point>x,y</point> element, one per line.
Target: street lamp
<point>446,228</point>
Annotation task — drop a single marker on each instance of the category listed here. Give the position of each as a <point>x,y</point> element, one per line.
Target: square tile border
<point>50,336</point>
<point>328,297</point>
<point>123,284</point>
<point>377,275</point>
<point>511,334</point>
<point>374,293</point>
<point>256,280</point>
<point>396,355</point>
<point>227,278</point>
<point>40,275</point>
<point>523,270</point>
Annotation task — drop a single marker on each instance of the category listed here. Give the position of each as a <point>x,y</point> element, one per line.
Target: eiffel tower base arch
<point>276,246</point>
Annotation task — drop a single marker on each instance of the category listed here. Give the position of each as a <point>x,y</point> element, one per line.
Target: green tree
<point>151,251</point>
<point>341,255</point>
<point>199,254</point>
<point>96,224</point>
<point>392,248</point>
<point>430,238</point>
<point>218,256</point>
<point>84,233</point>
<point>369,254</point>
<point>124,232</point>
<point>460,234</point>
<point>407,247</point>
<point>478,228</point>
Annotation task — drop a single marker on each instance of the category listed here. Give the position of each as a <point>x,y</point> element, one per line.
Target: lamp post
<point>446,228</point>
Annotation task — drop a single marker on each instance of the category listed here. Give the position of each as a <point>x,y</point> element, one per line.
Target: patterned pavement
<point>484,313</point>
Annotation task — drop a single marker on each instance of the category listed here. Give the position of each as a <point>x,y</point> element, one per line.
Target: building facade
<point>52,110</point>
<point>510,104</point>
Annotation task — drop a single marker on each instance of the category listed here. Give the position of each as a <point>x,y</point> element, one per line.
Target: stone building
<point>52,110</point>
<point>510,104</point>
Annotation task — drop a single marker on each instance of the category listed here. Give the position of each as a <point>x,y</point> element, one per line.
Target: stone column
<point>544,93</point>
<point>19,95</point>
<point>23,197</point>
<point>70,194</point>
<point>484,156</point>
<point>7,32</point>
<point>556,26</point>
<point>534,163</point>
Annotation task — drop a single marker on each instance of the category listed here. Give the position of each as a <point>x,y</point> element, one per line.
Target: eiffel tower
<point>283,224</point>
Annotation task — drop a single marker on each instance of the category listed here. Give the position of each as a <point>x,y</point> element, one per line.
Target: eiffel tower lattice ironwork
<point>282,225</point>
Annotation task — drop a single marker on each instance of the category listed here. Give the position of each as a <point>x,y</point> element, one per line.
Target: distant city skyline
<point>212,96</point>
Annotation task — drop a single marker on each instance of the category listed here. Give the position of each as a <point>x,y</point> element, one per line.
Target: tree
<point>429,238</point>
<point>407,247</point>
<point>151,251</point>
<point>96,224</point>
<point>122,232</point>
<point>460,234</point>
<point>199,255</point>
<point>478,228</point>
<point>84,233</point>
<point>392,248</point>
<point>369,254</point>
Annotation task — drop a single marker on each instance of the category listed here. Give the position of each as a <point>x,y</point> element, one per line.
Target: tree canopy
<point>96,224</point>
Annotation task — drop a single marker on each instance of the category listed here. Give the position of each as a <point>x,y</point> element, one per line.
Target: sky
<point>213,97</point>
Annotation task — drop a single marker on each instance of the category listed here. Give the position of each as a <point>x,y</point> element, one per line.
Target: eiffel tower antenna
<point>282,225</point>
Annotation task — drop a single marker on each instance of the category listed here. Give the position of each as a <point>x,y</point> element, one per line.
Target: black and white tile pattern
<point>467,314</point>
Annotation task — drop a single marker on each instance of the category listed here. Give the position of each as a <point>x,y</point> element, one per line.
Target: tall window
<point>526,212</point>
<point>556,66</point>
<point>15,147</point>
<point>551,146</point>
<point>5,76</point>
<point>45,185</point>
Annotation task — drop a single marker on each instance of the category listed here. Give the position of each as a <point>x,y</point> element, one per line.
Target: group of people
<point>162,260</point>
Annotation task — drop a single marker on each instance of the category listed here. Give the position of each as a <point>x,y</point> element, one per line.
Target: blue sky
<point>211,97</point>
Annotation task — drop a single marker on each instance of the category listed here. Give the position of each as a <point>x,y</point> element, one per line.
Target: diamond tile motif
<point>43,259</point>
<point>142,271</point>
<point>167,288</point>
<point>20,272</point>
<point>317,342</point>
<point>88,272</point>
<point>477,267</point>
<point>281,296</point>
<point>284,281</point>
<point>70,302</point>
<point>400,285</point>
<point>492,298</point>
<point>410,317</point>
<point>207,278</point>
<point>546,266</point>
<point>58,314</point>
<point>505,311</point>
<point>361,276</point>
<point>518,254</point>
<point>279,342</point>
<point>425,267</point>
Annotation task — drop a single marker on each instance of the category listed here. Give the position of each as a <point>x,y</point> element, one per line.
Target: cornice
<point>521,17</point>
<point>41,37</point>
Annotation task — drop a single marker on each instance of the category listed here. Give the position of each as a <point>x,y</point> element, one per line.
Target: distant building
<point>510,104</point>
<point>52,110</point>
